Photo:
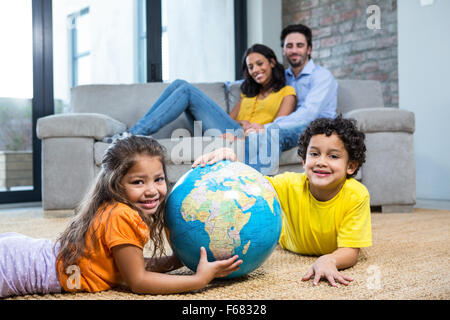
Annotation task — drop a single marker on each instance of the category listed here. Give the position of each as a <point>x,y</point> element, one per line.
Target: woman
<point>264,97</point>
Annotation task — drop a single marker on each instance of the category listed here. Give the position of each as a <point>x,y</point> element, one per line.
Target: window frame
<point>42,102</point>
<point>154,52</point>
<point>75,56</point>
<point>43,95</point>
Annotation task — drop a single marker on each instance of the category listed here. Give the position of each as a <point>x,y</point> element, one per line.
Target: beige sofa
<point>72,145</point>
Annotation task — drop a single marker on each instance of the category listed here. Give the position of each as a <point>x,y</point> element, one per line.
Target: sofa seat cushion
<point>186,150</point>
<point>290,157</point>
<point>178,150</point>
<point>183,152</point>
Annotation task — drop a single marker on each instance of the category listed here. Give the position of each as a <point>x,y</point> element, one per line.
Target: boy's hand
<point>207,271</point>
<point>325,267</point>
<point>215,156</point>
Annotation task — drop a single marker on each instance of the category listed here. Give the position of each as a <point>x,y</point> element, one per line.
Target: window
<point>79,47</point>
<point>198,40</point>
<point>106,42</point>
<point>142,41</point>
<point>97,42</point>
<point>16,96</point>
<point>25,85</point>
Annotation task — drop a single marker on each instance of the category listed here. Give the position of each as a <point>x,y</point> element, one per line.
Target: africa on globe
<point>229,208</point>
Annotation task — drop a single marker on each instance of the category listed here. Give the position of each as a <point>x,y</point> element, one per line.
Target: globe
<point>229,208</point>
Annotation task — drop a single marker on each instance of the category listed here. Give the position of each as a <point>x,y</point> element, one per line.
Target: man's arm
<point>321,98</point>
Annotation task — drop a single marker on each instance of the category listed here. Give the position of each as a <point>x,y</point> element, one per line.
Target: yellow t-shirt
<point>313,227</point>
<point>115,225</point>
<point>265,110</point>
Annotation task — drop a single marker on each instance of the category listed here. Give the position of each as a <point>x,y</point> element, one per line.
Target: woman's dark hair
<point>278,80</point>
<point>346,130</point>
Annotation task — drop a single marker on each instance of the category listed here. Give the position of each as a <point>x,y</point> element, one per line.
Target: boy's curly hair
<point>346,130</point>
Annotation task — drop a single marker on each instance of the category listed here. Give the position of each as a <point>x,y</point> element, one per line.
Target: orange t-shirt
<point>114,224</point>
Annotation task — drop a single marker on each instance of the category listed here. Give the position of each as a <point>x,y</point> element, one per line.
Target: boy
<point>326,211</point>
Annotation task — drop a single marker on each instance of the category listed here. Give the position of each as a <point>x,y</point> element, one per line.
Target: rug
<point>409,260</point>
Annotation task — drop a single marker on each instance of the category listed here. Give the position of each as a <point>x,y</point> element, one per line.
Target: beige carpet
<point>409,260</point>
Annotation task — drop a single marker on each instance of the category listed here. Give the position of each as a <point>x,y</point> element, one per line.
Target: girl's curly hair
<point>346,130</point>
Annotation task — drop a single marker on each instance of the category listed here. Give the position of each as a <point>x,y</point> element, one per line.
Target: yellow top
<point>265,110</point>
<point>313,227</point>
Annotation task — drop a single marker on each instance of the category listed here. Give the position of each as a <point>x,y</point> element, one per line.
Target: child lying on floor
<point>326,212</point>
<point>103,246</point>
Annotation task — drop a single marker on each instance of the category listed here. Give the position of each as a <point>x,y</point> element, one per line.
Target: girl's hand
<point>325,267</point>
<point>254,128</point>
<point>215,156</point>
<point>229,137</point>
<point>207,271</point>
<point>244,124</point>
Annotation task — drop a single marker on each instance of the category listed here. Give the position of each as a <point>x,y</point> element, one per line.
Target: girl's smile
<point>149,204</point>
<point>145,184</point>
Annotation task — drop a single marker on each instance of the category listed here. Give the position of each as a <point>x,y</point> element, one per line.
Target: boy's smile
<point>327,165</point>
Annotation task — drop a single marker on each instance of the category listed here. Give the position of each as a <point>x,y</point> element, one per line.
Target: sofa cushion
<point>357,94</point>
<point>179,150</point>
<point>185,151</point>
<point>290,157</point>
<point>383,120</point>
<point>130,102</point>
<point>352,94</point>
<point>93,125</point>
<point>233,94</point>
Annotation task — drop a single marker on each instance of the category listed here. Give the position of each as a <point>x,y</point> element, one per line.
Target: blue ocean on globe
<point>229,208</point>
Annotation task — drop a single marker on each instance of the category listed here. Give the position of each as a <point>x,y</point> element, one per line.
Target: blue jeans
<point>263,150</point>
<point>179,97</point>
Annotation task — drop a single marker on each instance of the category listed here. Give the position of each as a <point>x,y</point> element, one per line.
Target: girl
<point>103,245</point>
<point>264,98</point>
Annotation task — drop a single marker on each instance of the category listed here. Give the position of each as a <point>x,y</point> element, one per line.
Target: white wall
<point>113,41</point>
<point>200,40</point>
<point>264,24</point>
<point>424,86</point>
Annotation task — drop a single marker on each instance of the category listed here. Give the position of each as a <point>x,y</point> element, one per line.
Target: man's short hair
<point>300,28</point>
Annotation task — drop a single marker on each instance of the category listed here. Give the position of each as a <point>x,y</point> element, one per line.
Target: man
<point>316,90</point>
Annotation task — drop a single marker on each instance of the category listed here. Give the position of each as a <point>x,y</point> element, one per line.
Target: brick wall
<point>343,43</point>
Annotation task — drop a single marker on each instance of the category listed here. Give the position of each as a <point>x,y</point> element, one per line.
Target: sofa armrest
<point>94,125</point>
<point>383,119</point>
